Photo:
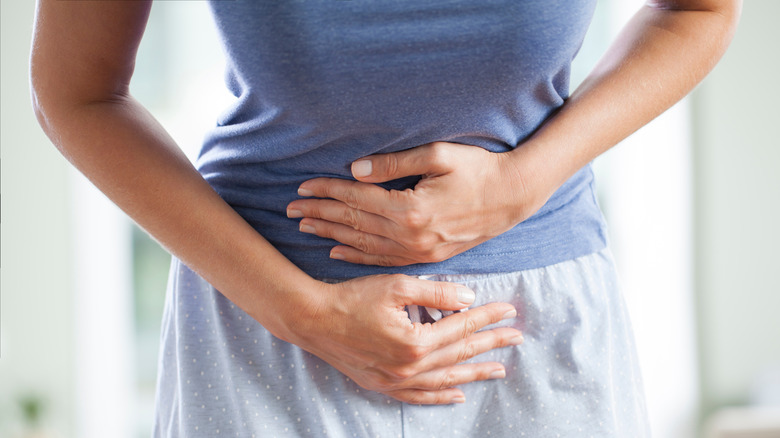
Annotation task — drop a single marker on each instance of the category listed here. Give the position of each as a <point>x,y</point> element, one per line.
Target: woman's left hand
<point>466,196</point>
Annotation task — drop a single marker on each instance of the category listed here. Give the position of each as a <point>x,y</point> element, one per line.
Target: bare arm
<point>468,195</point>
<point>82,61</point>
<point>663,52</point>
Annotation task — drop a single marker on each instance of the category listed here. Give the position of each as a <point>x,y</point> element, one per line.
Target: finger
<point>423,397</point>
<point>338,212</point>
<point>352,255</point>
<point>358,195</point>
<point>365,242</point>
<point>422,160</point>
<point>470,347</point>
<point>456,375</point>
<point>435,294</point>
<point>461,325</point>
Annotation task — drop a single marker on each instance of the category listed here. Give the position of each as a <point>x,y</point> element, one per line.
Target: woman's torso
<point>319,84</point>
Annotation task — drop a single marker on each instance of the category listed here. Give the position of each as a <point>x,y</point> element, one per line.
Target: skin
<point>83,58</point>
<point>468,195</point>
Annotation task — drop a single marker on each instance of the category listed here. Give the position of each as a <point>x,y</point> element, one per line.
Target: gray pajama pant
<point>222,374</point>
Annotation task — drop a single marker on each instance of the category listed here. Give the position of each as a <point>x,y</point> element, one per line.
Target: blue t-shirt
<point>321,83</point>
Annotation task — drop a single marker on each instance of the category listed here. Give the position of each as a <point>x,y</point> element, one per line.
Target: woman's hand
<point>466,196</point>
<point>80,85</point>
<point>360,327</point>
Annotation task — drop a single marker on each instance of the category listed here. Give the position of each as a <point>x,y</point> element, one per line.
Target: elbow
<point>732,13</point>
<point>728,11</point>
<point>46,92</point>
<point>42,104</point>
<point>713,22</point>
<point>38,106</point>
<point>57,99</point>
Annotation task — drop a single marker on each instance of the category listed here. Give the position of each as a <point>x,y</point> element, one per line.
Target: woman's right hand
<point>80,89</point>
<point>361,328</point>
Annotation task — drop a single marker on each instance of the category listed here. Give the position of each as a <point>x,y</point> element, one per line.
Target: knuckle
<point>406,284</point>
<point>379,384</point>
<point>322,229</point>
<point>497,340</point>
<point>385,260</point>
<point>351,217</point>
<point>437,255</point>
<point>414,218</point>
<point>466,352</point>
<point>311,209</point>
<point>412,348</point>
<point>469,327</point>
<point>393,376</point>
<point>404,373</point>
<point>421,244</point>
<point>439,294</point>
<point>391,164</point>
<point>427,252</point>
<point>350,198</point>
<point>415,398</point>
<point>400,282</point>
<point>327,191</point>
<point>439,153</point>
<point>364,243</point>
<point>415,352</point>
<point>448,380</point>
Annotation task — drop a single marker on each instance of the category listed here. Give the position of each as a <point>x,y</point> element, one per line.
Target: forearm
<point>657,59</point>
<point>82,60</point>
<point>119,146</point>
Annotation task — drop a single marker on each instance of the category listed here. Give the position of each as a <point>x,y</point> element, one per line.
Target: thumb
<point>435,294</point>
<point>421,160</point>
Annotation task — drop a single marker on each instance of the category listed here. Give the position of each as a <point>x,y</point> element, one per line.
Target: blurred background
<point>691,199</point>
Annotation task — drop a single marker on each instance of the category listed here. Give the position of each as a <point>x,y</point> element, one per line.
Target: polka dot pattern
<point>222,374</point>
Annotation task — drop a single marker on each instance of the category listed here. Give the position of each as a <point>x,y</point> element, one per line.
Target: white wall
<point>36,316</point>
<point>737,187</point>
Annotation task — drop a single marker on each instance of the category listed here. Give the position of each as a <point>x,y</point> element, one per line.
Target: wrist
<point>529,179</point>
<point>253,275</point>
<point>306,312</point>
<point>288,310</point>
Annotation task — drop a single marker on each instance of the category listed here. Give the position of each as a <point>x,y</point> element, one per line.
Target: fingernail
<point>294,214</point>
<point>305,228</point>
<point>509,315</point>
<point>458,399</point>
<point>497,374</point>
<point>361,168</point>
<point>304,192</point>
<point>465,295</point>
<point>517,340</point>
<point>336,255</point>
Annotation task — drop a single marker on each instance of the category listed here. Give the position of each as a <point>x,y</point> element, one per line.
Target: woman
<point>362,121</point>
